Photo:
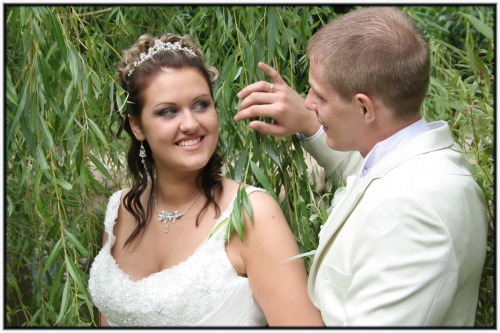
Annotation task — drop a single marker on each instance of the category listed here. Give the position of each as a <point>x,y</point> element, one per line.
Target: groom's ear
<point>366,107</point>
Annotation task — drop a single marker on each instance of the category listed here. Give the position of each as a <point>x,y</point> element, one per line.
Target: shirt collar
<point>383,148</point>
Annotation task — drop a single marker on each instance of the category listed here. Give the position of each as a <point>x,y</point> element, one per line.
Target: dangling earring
<point>142,153</point>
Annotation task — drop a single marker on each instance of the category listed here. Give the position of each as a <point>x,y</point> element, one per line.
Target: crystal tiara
<point>157,48</point>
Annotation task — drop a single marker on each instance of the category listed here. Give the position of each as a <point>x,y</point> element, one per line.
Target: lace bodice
<point>202,290</point>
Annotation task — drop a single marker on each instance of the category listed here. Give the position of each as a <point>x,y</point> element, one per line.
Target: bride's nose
<point>189,123</point>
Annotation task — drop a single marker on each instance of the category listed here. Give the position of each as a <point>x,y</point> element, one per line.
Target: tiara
<point>160,47</point>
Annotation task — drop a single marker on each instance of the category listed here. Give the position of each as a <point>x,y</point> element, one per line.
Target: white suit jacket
<point>407,245</point>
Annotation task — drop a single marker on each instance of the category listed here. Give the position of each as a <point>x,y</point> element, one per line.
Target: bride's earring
<point>142,153</point>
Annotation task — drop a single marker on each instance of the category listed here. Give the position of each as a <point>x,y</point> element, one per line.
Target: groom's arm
<point>338,165</point>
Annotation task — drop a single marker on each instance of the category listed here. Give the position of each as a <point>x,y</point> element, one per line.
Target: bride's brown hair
<point>210,178</point>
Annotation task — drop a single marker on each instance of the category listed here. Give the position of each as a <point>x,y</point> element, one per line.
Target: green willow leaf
<point>236,222</point>
<point>310,253</point>
<point>219,226</point>
<point>246,204</point>
<point>272,153</point>
<point>98,132</point>
<point>58,34</point>
<point>73,271</point>
<point>94,106</point>
<point>271,31</point>
<point>240,166</point>
<point>263,180</point>
<point>35,317</point>
<point>52,256</point>
<point>41,158</point>
<point>76,243</point>
<point>64,184</point>
<point>45,130</point>
<point>41,67</point>
<point>100,166</point>
<point>12,125</point>
<point>64,302</point>
<point>9,206</point>
<point>480,26</point>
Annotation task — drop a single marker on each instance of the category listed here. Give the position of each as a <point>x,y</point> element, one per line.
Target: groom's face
<point>341,121</point>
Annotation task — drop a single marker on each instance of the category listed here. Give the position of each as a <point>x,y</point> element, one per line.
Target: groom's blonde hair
<point>377,51</point>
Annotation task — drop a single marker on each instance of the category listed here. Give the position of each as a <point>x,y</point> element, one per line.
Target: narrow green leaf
<point>52,256</point>
<point>73,271</point>
<point>240,166</point>
<point>12,125</point>
<point>100,166</point>
<point>64,184</point>
<point>11,90</point>
<point>246,203</point>
<point>45,130</point>
<point>38,178</point>
<point>310,253</point>
<point>35,317</point>
<point>71,203</point>
<point>271,30</point>
<point>98,132</point>
<point>480,26</point>
<point>219,226</point>
<point>41,158</point>
<point>272,153</point>
<point>94,106</point>
<point>238,73</point>
<point>64,302</point>
<point>57,32</point>
<point>236,217</point>
<point>9,206</point>
<point>41,66</point>
<point>263,180</point>
<point>76,243</point>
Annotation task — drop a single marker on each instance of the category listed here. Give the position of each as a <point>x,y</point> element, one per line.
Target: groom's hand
<point>281,103</point>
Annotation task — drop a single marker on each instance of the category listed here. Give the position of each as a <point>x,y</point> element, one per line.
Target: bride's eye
<point>200,106</point>
<point>167,112</point>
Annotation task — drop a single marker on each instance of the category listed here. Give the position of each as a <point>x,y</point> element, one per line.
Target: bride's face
<point>178,120</point>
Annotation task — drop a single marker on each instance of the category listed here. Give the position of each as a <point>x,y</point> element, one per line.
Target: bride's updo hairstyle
<point>135,80</point>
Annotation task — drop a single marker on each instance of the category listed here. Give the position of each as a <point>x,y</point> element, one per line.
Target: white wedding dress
<point>203,290</point>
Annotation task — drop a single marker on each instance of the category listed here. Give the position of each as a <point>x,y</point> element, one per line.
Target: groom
<point>407,243</point>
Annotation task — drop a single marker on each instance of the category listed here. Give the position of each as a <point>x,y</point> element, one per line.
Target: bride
<point>159,266</point>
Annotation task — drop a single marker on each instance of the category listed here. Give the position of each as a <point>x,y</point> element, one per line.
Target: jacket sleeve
<point>338,165</point>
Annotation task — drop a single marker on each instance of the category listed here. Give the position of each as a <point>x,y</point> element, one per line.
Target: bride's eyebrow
<point>200,96</point>
<point>175,104</point>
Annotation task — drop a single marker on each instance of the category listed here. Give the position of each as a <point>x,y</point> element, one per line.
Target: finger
<point>268,129</point>
<point>254,87</point>
<point>271,72</point>
<point>255,111</point>
<point>257,98</point>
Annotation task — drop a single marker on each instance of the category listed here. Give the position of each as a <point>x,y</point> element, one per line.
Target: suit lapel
<point>338,217</point>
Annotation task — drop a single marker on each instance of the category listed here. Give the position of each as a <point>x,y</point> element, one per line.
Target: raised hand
<point>278,101</point>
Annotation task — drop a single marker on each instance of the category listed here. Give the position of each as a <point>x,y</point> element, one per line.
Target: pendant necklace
<point>168,217</point>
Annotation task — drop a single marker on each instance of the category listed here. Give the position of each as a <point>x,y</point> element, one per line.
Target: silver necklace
<point>168,217</point>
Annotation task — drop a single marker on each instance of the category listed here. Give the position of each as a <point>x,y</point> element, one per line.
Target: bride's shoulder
<point>231,186</point>
<point>116,198</point>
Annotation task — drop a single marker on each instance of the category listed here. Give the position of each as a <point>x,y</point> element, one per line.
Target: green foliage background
<point>62,162</point>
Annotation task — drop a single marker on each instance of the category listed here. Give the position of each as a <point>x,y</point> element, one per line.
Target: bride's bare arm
<point>104,321</point>
<point>280,287</point>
